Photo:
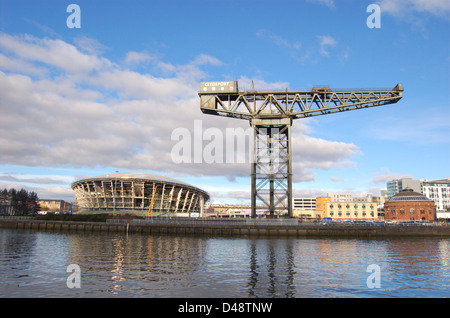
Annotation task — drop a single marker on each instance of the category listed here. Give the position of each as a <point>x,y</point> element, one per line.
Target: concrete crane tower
<point>271,114</point>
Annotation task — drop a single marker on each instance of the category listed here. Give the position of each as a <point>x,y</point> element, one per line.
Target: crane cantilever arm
<point>295,104</point>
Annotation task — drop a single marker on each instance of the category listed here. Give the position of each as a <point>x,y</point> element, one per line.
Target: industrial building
<point>145,193</point>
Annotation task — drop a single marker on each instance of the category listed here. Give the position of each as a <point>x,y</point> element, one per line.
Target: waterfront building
<point>408,205</point>
<point>397,185</point>
<point>50,205</point>
<point>439,192</point>
<point>217,209</point>
<point>321,206</point>
<point>304,208</point>
<point>354,211</point>
<point>304,203</point>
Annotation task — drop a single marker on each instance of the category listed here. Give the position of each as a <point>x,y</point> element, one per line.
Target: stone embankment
<point>238,229</point>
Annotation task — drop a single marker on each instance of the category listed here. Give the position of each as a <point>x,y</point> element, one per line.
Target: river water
<point>38,264</point>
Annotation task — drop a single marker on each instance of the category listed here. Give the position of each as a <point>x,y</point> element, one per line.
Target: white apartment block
<point>439,192</point>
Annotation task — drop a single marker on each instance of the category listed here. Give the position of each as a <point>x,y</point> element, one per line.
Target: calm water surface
<point>34,264</point>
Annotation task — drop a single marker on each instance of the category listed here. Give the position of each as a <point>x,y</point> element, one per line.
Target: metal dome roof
<point>408,195</point>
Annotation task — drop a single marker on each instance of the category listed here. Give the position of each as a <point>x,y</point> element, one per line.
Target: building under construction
<point>147,193</point>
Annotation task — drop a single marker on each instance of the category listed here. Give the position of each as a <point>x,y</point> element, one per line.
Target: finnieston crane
<point>271,114</point>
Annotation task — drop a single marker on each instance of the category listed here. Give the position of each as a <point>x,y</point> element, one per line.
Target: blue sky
<point>105,97</point>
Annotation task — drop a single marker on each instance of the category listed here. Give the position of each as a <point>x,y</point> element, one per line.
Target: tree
<point>20,202</point>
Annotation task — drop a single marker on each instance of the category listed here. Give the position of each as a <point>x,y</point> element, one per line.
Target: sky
<point>103,89</point>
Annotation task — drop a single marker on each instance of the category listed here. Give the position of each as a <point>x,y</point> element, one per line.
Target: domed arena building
<point>144,194</point>
<point>408,205</point>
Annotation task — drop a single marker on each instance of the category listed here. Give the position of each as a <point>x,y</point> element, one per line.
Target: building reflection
<point>132,264</point>
<point>272,269</point>
<point>185,266</point>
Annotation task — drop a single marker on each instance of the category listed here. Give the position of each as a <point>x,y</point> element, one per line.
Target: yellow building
<point>321,206</point>
<point>352,210</point>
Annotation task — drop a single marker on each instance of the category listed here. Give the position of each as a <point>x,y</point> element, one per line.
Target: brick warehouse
<point>408,205</point>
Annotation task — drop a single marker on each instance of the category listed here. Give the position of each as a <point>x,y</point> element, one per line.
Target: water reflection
<point>272,269</point>
<point>33,264</point>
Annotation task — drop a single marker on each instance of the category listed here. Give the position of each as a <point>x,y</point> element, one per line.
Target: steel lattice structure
<point>271,115</point>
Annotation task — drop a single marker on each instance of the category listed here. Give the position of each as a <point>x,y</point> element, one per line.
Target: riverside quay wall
<point>238,229</point>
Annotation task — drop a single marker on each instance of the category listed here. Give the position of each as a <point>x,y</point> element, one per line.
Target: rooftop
<point>139,176</point>
<point>408,194</point>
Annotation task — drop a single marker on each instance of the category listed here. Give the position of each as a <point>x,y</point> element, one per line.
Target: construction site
<point>143,194</point>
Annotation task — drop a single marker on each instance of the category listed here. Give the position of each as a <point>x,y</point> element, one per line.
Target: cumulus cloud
<point>73,107</point>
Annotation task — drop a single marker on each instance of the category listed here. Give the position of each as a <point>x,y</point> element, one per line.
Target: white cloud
<point>336,179</point>
<point>405,7</point>
<point>56,53</point>
<point>326,42</point>
<point>84,110</point>
<point>278,40</point>
<point>329,3</point>
<point>386,176</point>
<point>90,45</point>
